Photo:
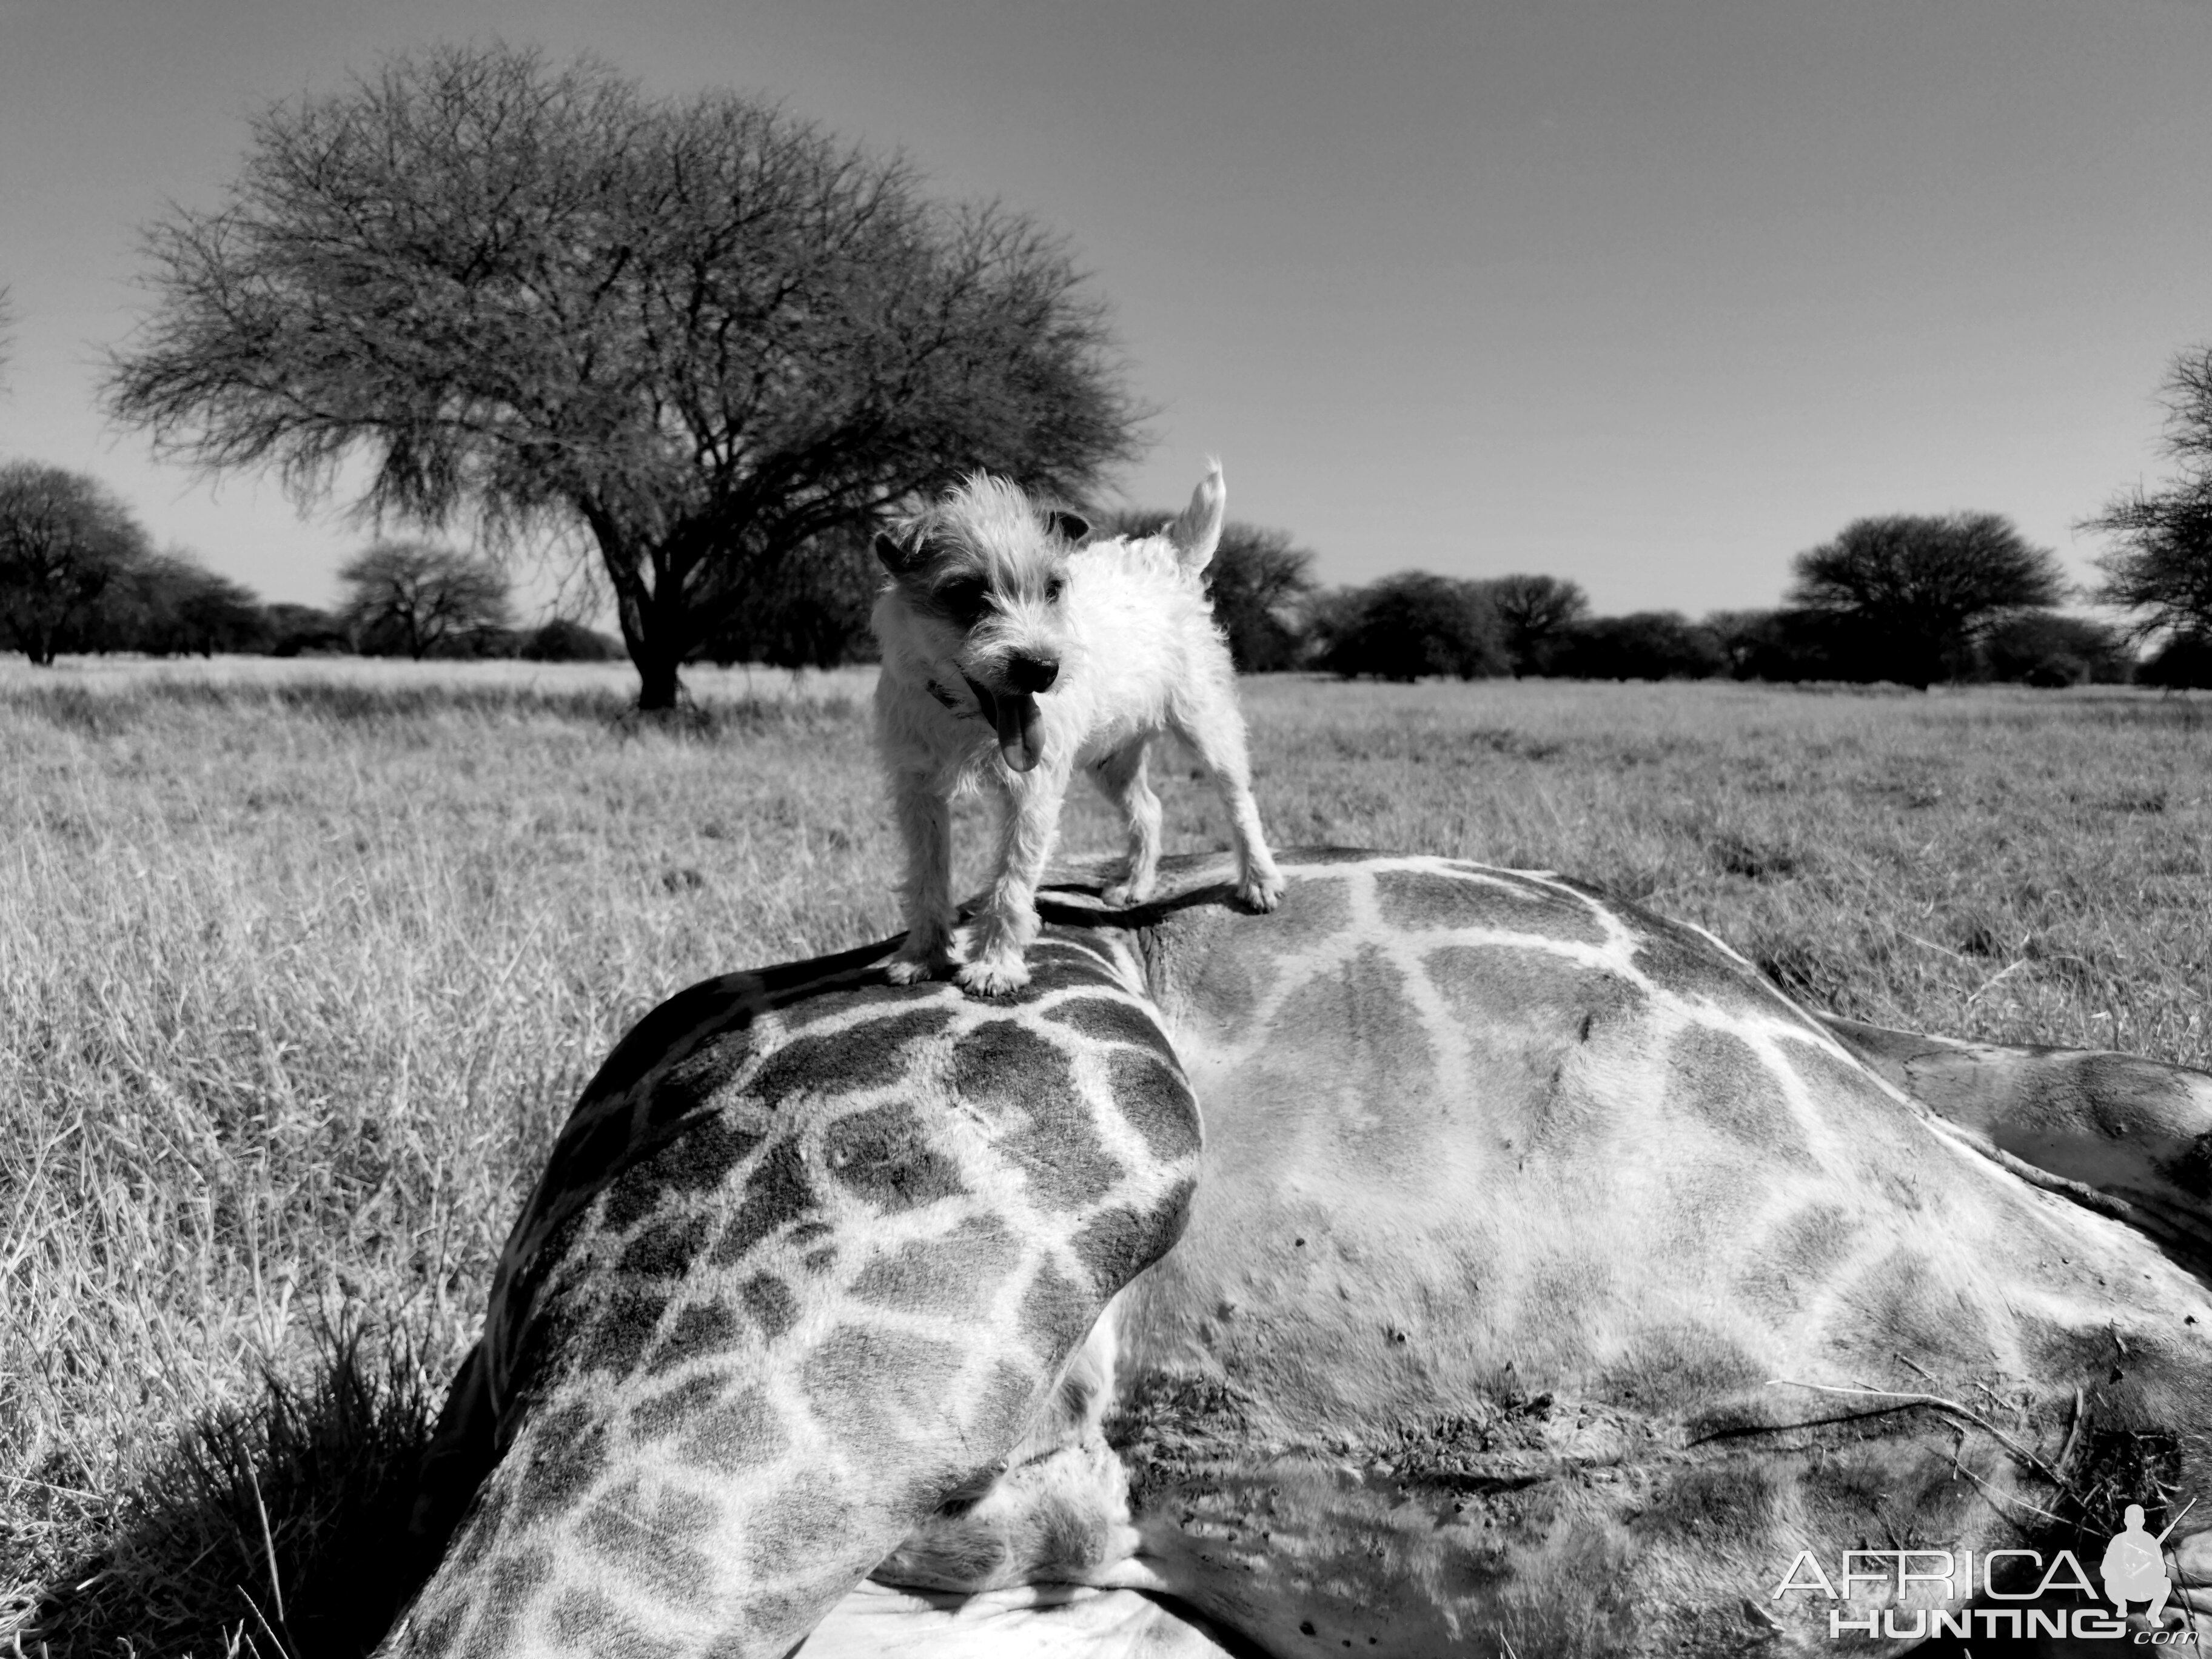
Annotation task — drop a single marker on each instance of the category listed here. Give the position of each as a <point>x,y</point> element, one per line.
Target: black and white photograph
<point>961,830</point>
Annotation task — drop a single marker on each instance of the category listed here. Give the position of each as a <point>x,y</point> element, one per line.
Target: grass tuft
<point>269,1528</point>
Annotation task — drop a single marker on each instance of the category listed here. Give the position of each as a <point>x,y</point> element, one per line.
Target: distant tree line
<point>1908,599</point>
<point>1915,600</point>
<point>79,574</point>
<point>1911,599</point>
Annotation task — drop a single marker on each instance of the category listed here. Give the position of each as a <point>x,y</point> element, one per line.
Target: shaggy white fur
<point>1012,659</point>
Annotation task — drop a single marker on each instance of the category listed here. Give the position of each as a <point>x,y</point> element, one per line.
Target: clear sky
<point>1648,293</point>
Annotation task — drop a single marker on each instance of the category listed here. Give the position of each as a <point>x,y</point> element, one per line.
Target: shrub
<point>563,641</point>
<point>1793,644</point>
<point>302,630</point>
<point>2041,648</point>
<point>810,611</point>
<point>1409,625</point>
<point>2183,663</point>
<point>1646,645</point>
<point>168,604</point>
<point>1255,579</point>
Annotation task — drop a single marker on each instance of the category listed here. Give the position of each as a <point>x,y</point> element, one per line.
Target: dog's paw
<point>992,976</point>
<point>1123,894</point>
<point>913,964</point>
<point>1261,892</point>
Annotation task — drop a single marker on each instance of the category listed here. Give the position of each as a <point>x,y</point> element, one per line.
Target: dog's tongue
<point>1020,731</point>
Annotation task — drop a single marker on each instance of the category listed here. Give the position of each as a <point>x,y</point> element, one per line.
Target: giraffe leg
<point>1121,778</point>
<point>2126,1127</point>
<point>1008,920</point>
<point>1058,1514</point>
<point>590,1538</point>
<point>706,1466</point>
<point>1210,723</point>
<point>924,822</point>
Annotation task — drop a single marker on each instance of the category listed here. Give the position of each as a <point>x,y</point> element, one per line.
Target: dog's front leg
<point>924,822</point>
<point>1008,920</point>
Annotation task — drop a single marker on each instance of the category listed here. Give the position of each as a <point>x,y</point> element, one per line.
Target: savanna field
<point>302,966</point>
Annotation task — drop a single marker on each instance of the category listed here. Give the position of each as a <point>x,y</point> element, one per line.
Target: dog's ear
<point>1071,526</point>
<point>898,557</point>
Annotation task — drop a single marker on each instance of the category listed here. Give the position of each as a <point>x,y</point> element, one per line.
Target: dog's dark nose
<point>1032,674</point>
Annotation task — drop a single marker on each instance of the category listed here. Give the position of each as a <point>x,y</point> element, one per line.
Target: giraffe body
<point>1523,1220</point>
<point>1516,1201</point>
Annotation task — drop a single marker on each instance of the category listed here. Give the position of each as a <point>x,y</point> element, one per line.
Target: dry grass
<point>1995,862</point>
<point>301,966</point>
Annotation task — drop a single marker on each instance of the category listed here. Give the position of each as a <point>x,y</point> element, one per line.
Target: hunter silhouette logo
<point>2134,1568</point>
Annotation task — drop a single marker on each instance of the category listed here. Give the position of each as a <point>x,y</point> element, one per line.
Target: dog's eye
<point>1052,590</point>
<point>964,600</point>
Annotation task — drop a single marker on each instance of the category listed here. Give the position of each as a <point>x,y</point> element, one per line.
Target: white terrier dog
<point>1011,658</point>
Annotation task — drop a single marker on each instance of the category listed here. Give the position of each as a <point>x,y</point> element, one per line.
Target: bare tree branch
<point>2160,566</point>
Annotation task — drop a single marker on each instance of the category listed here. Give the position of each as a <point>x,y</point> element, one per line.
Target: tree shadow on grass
<point>277,1530</point>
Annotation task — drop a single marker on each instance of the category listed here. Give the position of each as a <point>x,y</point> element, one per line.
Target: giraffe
<point>1545,1281</point>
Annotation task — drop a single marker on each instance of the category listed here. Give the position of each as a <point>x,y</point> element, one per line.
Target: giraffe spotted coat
<point>1529,1228</point>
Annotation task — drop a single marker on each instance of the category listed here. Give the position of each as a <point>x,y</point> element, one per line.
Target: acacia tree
<point>1926,587</point>
<point>63,539</point>
<point>413,597</point>
<point>2161,567</point>
<point>702,331</point>
<point>1534,613</point>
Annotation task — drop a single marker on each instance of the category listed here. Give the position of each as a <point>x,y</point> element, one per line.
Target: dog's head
<point>979,575</point>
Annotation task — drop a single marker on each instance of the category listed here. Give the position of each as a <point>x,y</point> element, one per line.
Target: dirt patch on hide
<point>1168,1430</point>
<point>1517,1442</point>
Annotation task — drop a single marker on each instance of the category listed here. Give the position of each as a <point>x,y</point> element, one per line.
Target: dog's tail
<point>1198,531</point>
